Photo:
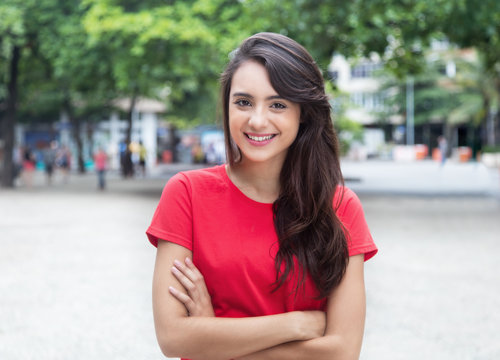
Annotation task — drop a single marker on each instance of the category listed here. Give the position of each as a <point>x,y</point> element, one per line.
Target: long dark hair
<point>305,221</point>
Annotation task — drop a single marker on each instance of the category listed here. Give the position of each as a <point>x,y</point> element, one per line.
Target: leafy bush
<point>491,149</point>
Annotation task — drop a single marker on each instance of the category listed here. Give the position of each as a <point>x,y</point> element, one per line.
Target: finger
<point>183,298</point>
<point>191,279</point>
<point>199,282</point>
<point>185,270</point>
<point>197,274</point>
<point>184,280</point>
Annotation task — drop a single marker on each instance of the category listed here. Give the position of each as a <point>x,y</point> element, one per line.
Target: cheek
<point>235,122</point>
<point>294,127</point>
<point>233,130</point>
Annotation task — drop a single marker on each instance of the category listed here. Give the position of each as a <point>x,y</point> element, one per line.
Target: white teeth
<point>259,138</point>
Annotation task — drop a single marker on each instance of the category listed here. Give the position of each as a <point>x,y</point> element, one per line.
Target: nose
<point>258,119</point>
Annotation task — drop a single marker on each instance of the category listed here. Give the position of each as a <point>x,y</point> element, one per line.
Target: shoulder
<point>201,176</point>
<point>208,174</point>
<point>350,212</point>
<point>345,201</point>
<point>196,181</point>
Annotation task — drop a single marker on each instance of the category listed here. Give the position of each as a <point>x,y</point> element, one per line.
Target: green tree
<point>476,24</point>
<point>15,35</point>
<point>77,74</point>
<point>454,99</point>
<point>153,47</point>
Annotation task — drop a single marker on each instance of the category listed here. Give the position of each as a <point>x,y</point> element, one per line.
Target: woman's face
<point>262,124</point>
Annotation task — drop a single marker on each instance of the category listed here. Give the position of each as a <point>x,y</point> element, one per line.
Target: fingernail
<point>188,261</point>
<point>171,289</point>
<point>174,269</point>
<point>177,262</point>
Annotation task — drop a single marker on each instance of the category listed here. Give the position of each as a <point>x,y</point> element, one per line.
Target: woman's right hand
<point>197,300</point>
<point>312,324</point>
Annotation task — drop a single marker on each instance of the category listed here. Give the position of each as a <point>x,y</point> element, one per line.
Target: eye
<point>278,106</point>
<point>242,102</point>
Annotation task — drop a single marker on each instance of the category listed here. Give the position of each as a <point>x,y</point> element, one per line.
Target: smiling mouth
<point>260,138</point>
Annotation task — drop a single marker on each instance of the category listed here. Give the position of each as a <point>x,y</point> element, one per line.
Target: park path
<point>76,271</point>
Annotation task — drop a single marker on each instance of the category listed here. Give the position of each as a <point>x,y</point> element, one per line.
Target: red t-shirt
<point>234,242</point>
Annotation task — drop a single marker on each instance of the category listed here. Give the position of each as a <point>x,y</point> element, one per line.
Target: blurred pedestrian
<point>197,154</point>
<point>126,161</point>
<point>28,167</point>
<point>17,160</point>
<point>142,158</point>
<point>101,165</point>
<point>443,148</point>
<point>250,251</point>
<point>49,158</point>
<point>64,162</point>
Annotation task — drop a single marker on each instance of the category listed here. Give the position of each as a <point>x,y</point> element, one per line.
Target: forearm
<point>226,338</point>
<point>326,347</point>
<point>201,336</point>
<point>345,324</point>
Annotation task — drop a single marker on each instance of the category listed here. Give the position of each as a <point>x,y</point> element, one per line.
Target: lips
<point>260,137</point>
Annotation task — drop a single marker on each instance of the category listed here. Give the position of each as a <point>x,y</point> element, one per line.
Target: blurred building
<point>108,133</point>
<point>358,81</point>
<point>364,91</point>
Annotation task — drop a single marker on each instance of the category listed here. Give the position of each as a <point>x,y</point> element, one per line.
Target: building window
<point>368,101</point>
<point>364,70</point>
<point>334,75</point>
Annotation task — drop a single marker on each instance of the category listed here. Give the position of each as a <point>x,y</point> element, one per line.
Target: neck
<point>258,181</point>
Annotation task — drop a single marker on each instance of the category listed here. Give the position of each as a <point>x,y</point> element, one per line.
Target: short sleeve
<point>351,214</point>
<point>172,219</point>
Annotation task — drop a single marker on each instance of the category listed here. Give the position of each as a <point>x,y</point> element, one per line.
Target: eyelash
<point>278,106</point>
<point>243,102</point>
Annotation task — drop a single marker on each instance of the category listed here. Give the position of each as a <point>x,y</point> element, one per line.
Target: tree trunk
<point>490,128</point>
<point>75,126</point>
<point>126,161</point>
<point>496,116</point>
<point>173,142</point>
<point>79,143</point>
<point>496,127</point>
<point>10,120</point>
<point>130,115</point>
<point>449,133</point>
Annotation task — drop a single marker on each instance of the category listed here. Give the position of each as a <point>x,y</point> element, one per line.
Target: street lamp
<point>410,122</point>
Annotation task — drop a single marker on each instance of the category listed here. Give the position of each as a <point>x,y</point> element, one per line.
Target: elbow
<point>170,339</point>
<point>174,345</point>
<point>169,346</point>
<point>342,349</point>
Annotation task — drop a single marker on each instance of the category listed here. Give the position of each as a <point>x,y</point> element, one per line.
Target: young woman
<point>262,258</point>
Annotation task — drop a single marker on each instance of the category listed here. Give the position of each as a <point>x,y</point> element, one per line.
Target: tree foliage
<point>77,55</point>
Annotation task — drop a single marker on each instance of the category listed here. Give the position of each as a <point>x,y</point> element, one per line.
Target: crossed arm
<point>186,326</point>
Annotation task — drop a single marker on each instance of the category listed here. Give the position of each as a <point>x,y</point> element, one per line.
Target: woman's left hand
<point>197,300</point>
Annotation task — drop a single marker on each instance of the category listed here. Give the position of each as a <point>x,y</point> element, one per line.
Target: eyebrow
<point>273,97</point>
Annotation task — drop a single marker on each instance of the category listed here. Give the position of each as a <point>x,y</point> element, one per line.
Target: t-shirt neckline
<point>236,189</point>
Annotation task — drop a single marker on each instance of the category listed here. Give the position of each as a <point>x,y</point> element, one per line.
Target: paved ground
<point>76,267</point>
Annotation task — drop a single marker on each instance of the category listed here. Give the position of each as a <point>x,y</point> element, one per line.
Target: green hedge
<point>491,149</point>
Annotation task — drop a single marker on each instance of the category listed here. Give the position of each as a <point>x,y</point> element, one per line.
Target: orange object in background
<point>421,151</point>
<point>436,154</point>
<point>464,153</point>
<point>166,156</point>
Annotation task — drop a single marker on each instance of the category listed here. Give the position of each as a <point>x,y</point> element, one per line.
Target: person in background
<point>443,148</point>
<point>142,158</point>
<point>49,159</point>
<point>28,167</point>
<point>64,162</point>
<point>101,165</point>
<point>263,257</point>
